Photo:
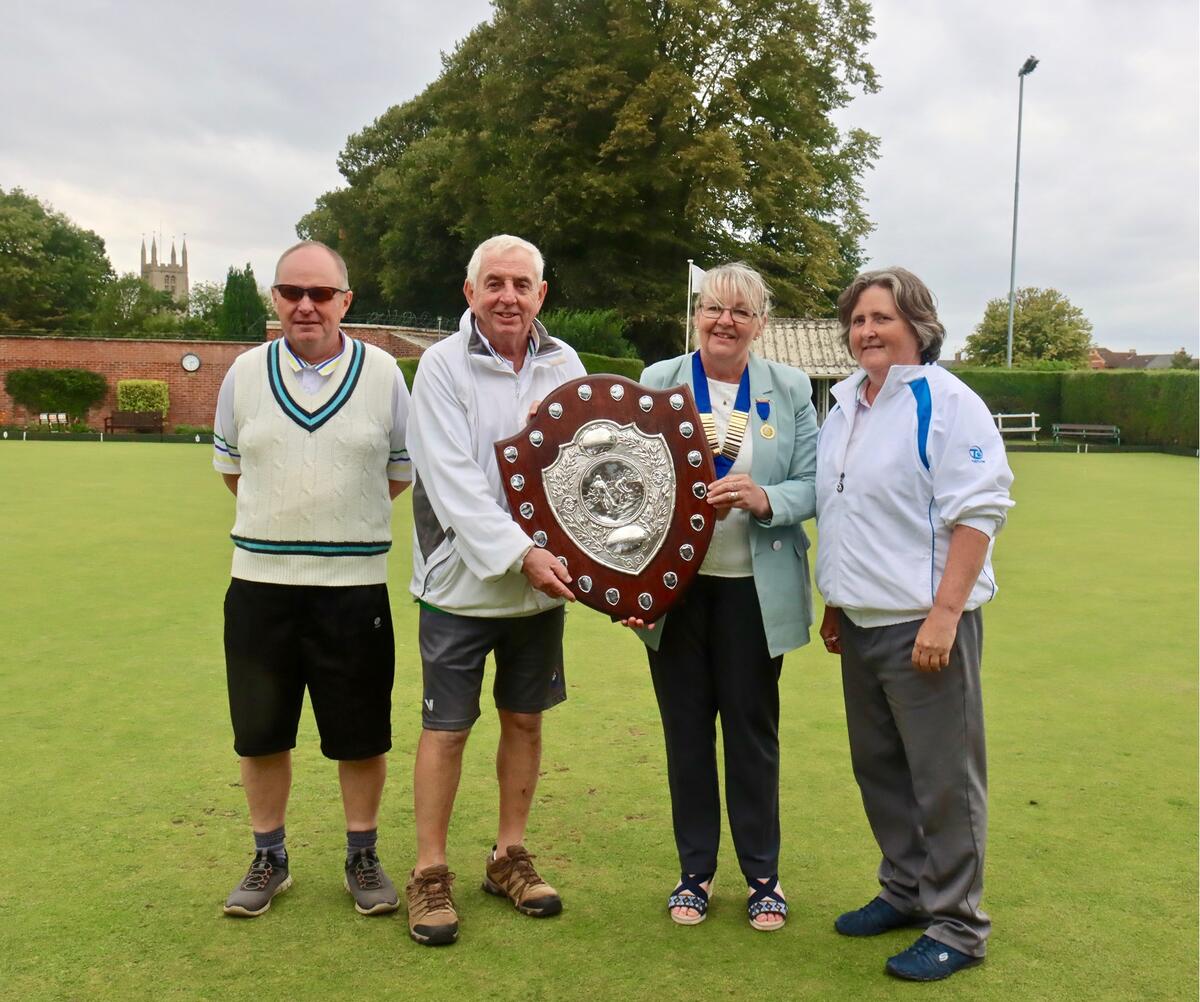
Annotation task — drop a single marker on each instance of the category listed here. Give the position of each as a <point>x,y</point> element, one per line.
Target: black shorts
<point>529,672</point>
<point>337,642</point>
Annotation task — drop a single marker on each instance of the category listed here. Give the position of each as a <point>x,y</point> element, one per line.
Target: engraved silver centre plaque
<point>612,489</point>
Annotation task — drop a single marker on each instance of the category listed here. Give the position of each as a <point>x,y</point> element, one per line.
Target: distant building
<point>1102,358</point>
<point>172,278</point>
<point>814,346</point>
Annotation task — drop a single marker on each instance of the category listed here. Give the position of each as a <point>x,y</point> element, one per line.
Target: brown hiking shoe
<point>513,877</point>
<point>432,920</point>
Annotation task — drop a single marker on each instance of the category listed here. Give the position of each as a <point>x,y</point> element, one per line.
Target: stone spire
<point>174,262</point>
<point>143,254</point>
<point>153,251</point>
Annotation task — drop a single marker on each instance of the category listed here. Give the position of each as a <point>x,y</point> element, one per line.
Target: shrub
<point>598,332</point>
<point>72,391</point>
<point>1150,408</point>
<point>143,395</point>
<point>193,429</point>
<point>409,367</point>
<point>629,367</point>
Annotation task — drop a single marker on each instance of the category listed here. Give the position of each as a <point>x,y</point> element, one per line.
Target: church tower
<point>173,277</point>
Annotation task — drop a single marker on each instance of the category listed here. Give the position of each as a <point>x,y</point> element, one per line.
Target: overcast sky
<point>223,121</point>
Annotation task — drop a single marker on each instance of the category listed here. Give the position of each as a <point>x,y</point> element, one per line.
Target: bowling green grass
<point>122,825</point>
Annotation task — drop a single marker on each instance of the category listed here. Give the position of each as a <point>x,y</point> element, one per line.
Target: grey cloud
<point>224,120</point>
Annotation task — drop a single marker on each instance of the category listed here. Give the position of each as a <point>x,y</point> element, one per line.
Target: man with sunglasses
<point>309,436</point>
<point>482,585</point>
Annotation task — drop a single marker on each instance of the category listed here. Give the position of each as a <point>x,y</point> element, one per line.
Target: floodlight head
<point>1029,66</point>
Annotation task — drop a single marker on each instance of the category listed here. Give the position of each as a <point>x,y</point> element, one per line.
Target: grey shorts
<point>529,672</point>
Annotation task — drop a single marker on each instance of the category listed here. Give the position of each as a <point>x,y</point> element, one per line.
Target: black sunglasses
<point>317,293</point>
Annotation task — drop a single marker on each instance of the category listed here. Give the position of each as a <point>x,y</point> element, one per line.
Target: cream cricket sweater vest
<point>312,503</point>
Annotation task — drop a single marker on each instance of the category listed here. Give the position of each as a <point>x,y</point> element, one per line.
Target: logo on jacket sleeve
<point>976,454</point>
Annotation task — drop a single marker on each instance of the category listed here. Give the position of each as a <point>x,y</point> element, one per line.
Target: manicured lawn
<point>123,826</point>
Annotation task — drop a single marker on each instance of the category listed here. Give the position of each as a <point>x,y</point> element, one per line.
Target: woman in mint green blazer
<point>719,652</point>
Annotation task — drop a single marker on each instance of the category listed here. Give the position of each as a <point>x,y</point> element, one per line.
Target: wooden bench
<point>1088,432</point>
<point>1026,424</point>
<point>133,421</point>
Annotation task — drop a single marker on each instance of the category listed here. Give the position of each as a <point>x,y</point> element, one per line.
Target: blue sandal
<point>763,900</point>
<point>690,894</point>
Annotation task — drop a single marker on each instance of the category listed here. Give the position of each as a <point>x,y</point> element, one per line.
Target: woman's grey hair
<point>498,245</point>
<point>913,299</point>
<point>727,283</point>
<point>337,259</point>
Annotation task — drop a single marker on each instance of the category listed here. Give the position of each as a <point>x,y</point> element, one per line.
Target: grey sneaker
<point>370,887</point>
<point>266,877</point>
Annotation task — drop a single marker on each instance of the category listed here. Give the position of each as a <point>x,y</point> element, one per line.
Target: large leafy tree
<point>621,136</point>
<point>129,307</point>
<point>204,303</point>
<point>243,314</point>
<point>1047,327</point>
<point>51,271</point>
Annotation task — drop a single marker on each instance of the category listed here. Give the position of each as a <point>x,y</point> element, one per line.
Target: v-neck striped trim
<point>306,419</point>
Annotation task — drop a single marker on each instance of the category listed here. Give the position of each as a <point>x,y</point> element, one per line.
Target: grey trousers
<point>917,747</point>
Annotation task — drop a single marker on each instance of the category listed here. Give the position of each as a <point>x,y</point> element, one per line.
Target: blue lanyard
<point>723,456</point>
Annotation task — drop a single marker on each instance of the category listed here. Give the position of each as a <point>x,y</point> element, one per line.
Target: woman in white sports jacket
<point>912,487</point>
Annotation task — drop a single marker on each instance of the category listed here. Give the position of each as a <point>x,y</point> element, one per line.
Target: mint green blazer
<point>785,467</point>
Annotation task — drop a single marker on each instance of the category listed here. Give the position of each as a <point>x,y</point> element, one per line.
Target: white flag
<point>697,275</point>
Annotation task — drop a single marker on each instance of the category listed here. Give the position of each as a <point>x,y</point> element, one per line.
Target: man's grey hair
<point>727,283</point>
<point>914,301</point>
<point>337,259</point>
<point>498,245</point>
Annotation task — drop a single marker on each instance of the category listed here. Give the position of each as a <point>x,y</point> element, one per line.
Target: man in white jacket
<point>482,585</point>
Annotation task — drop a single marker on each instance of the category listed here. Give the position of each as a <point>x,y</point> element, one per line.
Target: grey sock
<point>273,843</point>
<point>356,841</point>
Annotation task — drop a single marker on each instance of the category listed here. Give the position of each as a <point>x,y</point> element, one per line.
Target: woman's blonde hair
<point>737,280</point>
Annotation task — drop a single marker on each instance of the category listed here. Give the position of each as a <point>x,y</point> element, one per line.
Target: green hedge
<point>69,391</point>
<point>599,332</point>
<point>1013,391</point>
<point>409,367</point>
<point>630,367</point>
<point>146,396</point>
<point>1150,408</point>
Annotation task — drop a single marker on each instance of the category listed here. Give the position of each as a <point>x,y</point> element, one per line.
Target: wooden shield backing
<point>611,478</point>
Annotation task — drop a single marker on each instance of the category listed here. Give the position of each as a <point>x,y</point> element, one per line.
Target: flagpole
<point>687,315</point>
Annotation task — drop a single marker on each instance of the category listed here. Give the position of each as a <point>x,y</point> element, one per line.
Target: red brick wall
<point>193,394</point>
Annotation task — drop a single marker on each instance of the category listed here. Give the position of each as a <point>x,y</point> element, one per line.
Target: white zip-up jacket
<point>927,457</point>
<point>467,550</point>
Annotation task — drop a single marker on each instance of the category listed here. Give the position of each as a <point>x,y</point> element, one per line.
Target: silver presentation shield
<point>611,477</point>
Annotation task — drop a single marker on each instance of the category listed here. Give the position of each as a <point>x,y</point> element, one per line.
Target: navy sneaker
<point>929,960</point>
<point>874,918</point>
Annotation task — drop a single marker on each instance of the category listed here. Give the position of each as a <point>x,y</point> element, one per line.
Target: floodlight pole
<point>1027,67</point>
<point>687,313</point>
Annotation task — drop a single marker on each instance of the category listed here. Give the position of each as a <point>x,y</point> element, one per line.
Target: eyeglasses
<point>317,293</point>
<point>713,312</point>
